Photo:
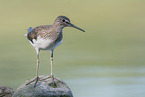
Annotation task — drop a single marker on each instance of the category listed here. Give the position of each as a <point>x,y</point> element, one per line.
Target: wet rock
<point>5,91</point>
<point>44,88</point>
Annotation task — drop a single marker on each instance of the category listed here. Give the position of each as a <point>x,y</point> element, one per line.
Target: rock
<point>5,91</point>
<point>44,88</point>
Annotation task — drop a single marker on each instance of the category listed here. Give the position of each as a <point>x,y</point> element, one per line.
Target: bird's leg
<point>51,62</point>
<point>37,78</point>
<point>51,76</point>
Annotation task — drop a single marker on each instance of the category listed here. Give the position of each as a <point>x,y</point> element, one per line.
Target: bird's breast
<point>48,43</point>
<point>42,43</point>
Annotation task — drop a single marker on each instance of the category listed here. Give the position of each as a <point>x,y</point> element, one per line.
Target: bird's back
<point>33,33</point>
<point>44,37</point>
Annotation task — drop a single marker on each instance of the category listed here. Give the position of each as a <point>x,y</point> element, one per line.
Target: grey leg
<point>51,76</point>
<point>51,62</point>
<point>37,68</point>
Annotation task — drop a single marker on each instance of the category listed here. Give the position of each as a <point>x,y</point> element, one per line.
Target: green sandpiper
<point>48,37</point>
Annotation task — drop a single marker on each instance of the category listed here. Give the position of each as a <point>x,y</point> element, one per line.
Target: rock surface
<point>44,88</point>
<point>5,91</point>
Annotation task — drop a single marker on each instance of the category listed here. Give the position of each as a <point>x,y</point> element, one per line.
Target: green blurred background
<point>108,60</point>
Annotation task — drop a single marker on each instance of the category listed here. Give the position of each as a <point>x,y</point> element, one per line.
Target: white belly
<point>45,44</point>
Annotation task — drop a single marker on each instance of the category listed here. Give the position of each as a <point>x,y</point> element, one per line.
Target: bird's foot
<point>36,80</point>
<point>53,82</point>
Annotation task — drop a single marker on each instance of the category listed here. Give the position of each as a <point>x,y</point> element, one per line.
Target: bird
<point>48,37</point>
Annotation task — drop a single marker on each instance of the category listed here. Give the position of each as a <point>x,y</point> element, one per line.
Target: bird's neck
<point>58,27</point>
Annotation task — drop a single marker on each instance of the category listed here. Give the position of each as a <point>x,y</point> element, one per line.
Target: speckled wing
<point>33,33</point>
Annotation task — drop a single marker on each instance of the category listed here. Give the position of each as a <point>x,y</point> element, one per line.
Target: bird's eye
<point>63,20</point>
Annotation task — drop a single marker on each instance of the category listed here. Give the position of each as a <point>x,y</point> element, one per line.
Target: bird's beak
<point>72,25</point>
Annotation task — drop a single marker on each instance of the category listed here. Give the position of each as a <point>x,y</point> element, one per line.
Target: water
<point>109,82</point>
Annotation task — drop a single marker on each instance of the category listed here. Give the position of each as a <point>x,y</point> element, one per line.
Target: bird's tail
<point>29,30</point>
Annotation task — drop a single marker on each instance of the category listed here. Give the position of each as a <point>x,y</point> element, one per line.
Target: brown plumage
<point>48,37</point>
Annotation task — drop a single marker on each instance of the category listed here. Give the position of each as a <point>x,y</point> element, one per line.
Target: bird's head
<point>64,21</point>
